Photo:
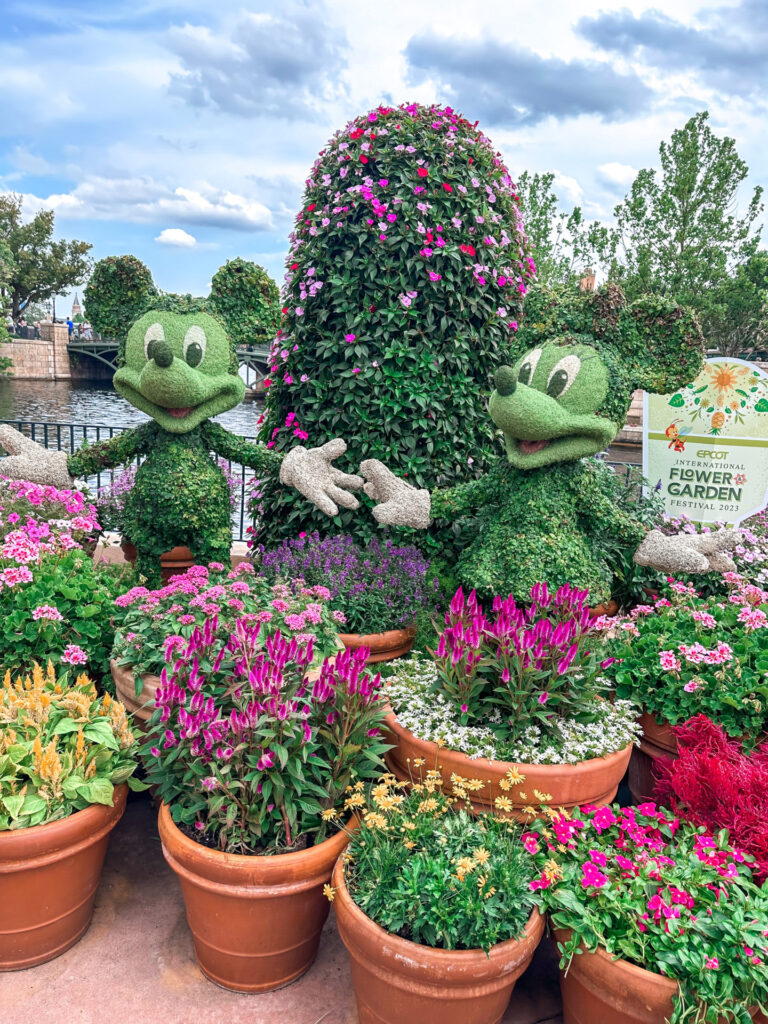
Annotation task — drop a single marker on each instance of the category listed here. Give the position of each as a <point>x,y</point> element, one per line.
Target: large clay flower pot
<point>255,921</point>
<point>567,785</point>
<point>49,875</point>
<point>140,707</point>
<point>387,646</point>
<point>657,743</point>
<point>173,562</point>
<point>597,988</point>
<point>397,981</point>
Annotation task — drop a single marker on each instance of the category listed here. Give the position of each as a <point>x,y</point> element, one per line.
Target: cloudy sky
<point>182,130</point>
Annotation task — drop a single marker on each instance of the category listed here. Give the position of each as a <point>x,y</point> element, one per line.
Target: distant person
<point>87,332</point>
<point>9,323</point>
<point>70,326</point>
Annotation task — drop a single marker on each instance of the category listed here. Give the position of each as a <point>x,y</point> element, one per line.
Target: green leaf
<point>100,731</point>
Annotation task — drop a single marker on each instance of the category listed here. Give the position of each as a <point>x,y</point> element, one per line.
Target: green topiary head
<point>579,359</point>
<point>177,359</point>
<point>178,369</point>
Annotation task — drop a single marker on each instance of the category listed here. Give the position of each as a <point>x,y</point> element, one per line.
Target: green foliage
<point>736,320</point>
<point>720,670</point>
<point>247,300</point>
<point>564,244</point>
<point>82,594</point>
<point>374,350</point>
<point>435,875</point>
<point>652,343</point>
<point>543,524</point>
<point>677,233</point>
<point>62,748</point>
<point>38,266</point>
<point>660,894</point>
<point>119,290</point>
<point>634,497</point>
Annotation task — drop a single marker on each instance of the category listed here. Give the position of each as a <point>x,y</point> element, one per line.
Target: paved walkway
<point>135,965</point>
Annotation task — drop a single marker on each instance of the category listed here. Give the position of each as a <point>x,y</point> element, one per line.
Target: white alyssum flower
<point>426,713</point>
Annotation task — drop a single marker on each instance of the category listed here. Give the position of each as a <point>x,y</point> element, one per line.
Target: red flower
<point>447,187</point>
<point>371,309</point>
<point>471,159</point>
<point>356,133</point>
<point>311,207</point>
<point>363,159</point>
<point>468,249</point>
<point>294,265</point>
<point>422,172</point>
<point>285,310</point>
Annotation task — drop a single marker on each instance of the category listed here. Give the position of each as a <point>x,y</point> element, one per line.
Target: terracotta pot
<point>568,785</point>
<point>175,561</point>
<point>255,921</point>
<point>397,981</point>
<point>140,707</point>
<point>657,744</point>
<point>597,988</point>
<point>606,608</point>
<point>387,646</point>
<point>49,875</point>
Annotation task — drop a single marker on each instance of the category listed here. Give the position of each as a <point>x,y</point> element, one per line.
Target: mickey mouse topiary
<point>405,278</point>
<point>177,363</point>
<point>540,513</point>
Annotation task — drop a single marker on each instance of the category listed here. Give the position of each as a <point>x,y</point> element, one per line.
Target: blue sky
<point>182,131</point>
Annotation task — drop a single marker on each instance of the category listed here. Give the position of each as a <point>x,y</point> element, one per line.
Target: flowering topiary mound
<point>405,277</point>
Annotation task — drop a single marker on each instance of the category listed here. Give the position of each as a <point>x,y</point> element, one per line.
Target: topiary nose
<point>505,381</point>
<point>161,352</point>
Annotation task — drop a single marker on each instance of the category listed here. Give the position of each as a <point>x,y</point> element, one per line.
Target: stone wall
<point>45,358</point>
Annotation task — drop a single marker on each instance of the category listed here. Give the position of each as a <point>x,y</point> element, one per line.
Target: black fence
<point>70,436</point>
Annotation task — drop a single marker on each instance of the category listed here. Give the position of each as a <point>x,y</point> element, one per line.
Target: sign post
<point>705,447</point>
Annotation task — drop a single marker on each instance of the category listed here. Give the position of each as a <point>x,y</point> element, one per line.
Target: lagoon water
<point>96,403</point>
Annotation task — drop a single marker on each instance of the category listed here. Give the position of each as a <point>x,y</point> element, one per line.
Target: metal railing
<point>70,436</point>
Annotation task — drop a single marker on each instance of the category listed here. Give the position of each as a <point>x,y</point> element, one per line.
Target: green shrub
<point>404,281</point>
<point>247,299</point>
<point>120,289</point>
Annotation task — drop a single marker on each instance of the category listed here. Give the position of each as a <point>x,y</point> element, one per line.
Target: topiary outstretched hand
<point>309,470</point>
<point>688,552</point>
<point>28,460</point>
<point>399,503</point>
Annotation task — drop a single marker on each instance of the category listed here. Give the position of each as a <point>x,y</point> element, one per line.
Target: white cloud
<point>568,188</point>
<point>145,200</point>
<point>614,173</point>
<point>177,237</point>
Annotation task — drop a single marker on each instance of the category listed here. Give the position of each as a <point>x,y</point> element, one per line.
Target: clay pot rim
<point>391,634</point>
<point>178,551</point>
<point>642,974</point>
<point>63,831</point>
<point>456,960</point>
<point>260,867</point>
<point>483,765</point>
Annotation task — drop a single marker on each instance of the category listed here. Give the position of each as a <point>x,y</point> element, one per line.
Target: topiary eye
<point>194,345</point>
<point>528,367</point>
<point>563,374</point>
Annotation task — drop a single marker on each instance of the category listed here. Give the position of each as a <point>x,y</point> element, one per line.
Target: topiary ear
<point>664,344</point>
<point>247,301</point>
<point>120,289</point>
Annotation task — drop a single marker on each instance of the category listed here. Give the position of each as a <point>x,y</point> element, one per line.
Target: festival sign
<point>705,447</point>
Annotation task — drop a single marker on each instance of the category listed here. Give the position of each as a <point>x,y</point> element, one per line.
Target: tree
<point>677,232</point>
<point>737,318</point>
<point>41,266</point>
<point>404,283</point>
<point>564,245</point>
